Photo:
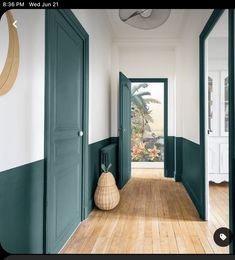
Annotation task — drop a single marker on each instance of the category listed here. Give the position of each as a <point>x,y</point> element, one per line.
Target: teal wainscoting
<point>178,158</point>
<point>94,169</point>
<point>115,167</point>
<point>21,208</point>
<point>109,156</point>
<point>170,157</point>
<point>114,139</point>
<point>192,176</point>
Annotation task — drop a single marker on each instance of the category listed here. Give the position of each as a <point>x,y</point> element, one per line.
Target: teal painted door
<point>64,150</point>
<point>124,130</point>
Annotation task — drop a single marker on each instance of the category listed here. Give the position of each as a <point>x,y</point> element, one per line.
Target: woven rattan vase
<point>107,194</point>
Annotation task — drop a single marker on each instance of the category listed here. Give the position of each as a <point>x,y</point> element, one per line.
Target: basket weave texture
<point>107,194</point>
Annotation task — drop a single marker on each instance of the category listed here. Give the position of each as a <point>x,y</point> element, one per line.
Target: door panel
<point>224,158</point>
<point>64,149</point>
<point>124,129</point>
<point>64,203</point>
<point>213,157</point>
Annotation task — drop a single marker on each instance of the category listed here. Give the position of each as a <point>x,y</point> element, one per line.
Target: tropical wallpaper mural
<point>147,122</point>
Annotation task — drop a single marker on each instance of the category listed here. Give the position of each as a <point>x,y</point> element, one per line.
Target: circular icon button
<point>223,236</point>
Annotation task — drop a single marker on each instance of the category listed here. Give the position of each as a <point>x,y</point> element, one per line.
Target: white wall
<point>178,94</point>
<point>22,108</point>
<point>188,72</point>
<point>217,49</point>
<point>145,61</point>
<point>95,22</point>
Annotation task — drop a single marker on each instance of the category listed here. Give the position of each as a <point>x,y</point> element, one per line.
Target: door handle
<point>209,131</point>
<point>80,133</point>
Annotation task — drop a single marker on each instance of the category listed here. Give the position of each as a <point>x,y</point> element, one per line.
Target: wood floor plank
<point>197,245</point>
<point>155,215</point>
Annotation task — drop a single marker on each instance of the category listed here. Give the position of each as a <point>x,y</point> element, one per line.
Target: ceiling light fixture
<point>145,19</point>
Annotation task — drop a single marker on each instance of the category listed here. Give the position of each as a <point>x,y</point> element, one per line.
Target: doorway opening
<point>217,103</point>
<point>143,120</point>
<point>217,151</point>
<point>216,118</point>
<point>147,123</point>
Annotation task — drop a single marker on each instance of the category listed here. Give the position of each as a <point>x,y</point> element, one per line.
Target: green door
<point>65,70</point>
<point>124,130</point>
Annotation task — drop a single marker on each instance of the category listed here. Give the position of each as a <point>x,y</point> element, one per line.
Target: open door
<point>124,130</point>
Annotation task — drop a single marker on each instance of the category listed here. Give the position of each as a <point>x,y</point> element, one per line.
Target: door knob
<point>209,131</point>
<point>80,133</point>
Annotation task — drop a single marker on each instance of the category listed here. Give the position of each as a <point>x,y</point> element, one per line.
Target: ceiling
<point>170,29</point>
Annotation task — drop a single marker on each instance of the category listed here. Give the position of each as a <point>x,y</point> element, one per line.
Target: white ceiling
<point>170,29</point>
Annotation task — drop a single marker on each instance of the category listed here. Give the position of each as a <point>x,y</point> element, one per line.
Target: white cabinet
<point>218,126</point>
<point>213,157</point>
<point>224,103</point>
<point>224,158</point>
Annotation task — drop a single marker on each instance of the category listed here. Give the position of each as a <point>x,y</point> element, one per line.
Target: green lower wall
<point>183,163</point>
<point>170,157</point>
<point>21,208</point>
<point>94,169</point>
<point>178,158</point>
<point>192,177</point>
<point>187,170</point>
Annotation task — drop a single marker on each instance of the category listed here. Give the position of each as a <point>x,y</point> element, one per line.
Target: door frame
<point>165,82</point>
<point>215,16</point>
<point>73,21</point>
<point>231,44</point>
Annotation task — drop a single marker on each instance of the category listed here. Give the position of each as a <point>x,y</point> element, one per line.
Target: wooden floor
<point>155,215</point>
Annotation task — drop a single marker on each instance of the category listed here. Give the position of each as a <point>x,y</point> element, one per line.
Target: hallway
<point>99,86</point>
<point>155,215</point>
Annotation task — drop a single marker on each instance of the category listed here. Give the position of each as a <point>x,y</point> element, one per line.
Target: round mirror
<point>10,68</point>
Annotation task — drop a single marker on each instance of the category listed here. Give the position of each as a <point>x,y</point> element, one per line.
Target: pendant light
<point>145,19</point>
